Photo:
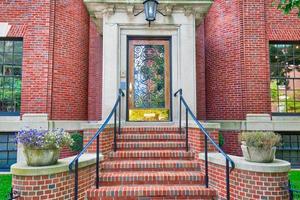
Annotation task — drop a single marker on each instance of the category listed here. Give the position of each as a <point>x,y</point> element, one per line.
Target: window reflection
<point>10,76</point>
<point>285,77</point>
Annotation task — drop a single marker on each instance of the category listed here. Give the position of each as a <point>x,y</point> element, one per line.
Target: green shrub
<point>78,142</point>
<point>221,140</point>
<point>260,139</point>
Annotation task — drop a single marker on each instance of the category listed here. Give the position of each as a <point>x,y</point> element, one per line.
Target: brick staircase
<point>151,166</point>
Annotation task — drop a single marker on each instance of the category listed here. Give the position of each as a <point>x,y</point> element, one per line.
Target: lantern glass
<point>150,7</point>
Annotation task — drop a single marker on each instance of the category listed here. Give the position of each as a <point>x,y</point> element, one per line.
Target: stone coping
<point>141,1</point>
<point>191,124</point>
<point>240,163</point>
<point>22,169</point>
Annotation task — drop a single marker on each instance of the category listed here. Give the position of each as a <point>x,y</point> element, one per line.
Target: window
<point>8,150</point>
<point>285,77</point>
<point>10,76</point>
<point>290,149</point>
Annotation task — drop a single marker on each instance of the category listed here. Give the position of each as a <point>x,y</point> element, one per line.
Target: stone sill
<point>22,169</point>
<point>240,163</point>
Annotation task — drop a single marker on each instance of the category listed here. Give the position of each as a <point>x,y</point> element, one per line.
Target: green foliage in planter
<point>221,140</point>
<point>260,139</point>
<point>78,142</point>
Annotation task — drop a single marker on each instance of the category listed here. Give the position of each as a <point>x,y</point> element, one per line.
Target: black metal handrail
<point>207,137</point>
<point>96,137</point>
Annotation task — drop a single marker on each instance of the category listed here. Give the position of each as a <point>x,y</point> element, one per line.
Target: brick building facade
<point>63,75</point>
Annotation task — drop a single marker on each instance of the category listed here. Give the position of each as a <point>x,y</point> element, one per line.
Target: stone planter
<point>258,155</point>
<point>41,157</point>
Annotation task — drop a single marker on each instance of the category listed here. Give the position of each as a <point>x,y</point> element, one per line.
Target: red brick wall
<point>232,143</point>
<point>247,184</point>
<point>237,35</point>
<point>105,141</point>
<point>196,140</point>
<point>223,61</point>
<point>71,61</point>
<point>54,186</point>
<point>255,71</point>
<point>31,20</point>
<point>55,55</point>
<point>281,27</point>
<point>200,73</point>
<point>95,75</point>
<point>67,152</point>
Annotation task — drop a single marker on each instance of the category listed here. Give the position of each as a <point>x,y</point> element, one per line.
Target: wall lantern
<point>150,9</point>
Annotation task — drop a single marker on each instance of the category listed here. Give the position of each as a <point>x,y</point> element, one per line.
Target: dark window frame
<point>290,149</point>
<point>279,67</point>
<point>15,66</point>
<point>10,150</point>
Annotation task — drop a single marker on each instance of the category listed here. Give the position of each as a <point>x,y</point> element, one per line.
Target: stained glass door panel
<point>149,80</point>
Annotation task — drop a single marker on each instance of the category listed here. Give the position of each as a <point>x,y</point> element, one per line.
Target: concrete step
<point>142,178</point>
<point>151,154</point>
<point>151,145</point>
<point>151,192</point>
<point>151,137</point>
<point>151,165</point>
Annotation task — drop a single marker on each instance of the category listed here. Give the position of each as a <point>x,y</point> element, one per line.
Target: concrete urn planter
<point>258,155</point>
<point>41,157</point>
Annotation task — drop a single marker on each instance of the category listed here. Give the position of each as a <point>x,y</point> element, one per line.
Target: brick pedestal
<point>248,180</point>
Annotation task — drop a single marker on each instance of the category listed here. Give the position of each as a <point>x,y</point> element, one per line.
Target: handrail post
<point>97,164</point>
<point>119,116</point>
<point>115,130</point>
<point>229,161</point>
<point>227,180</point>
<point>180,114</point>
<point>76,180</point>
<point>187,129</point>
<point>206,161</point>
<point>75,161</point>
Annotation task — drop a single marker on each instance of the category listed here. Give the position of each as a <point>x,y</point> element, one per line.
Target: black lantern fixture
<point>150,9</point>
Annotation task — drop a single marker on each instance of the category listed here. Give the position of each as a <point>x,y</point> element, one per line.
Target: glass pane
<point>12,155</point>
<point>11,146</point>
<point>8,46</point>
<point>17,71</point>
<point>18,59</point>
<point>1,58</point>
<point>297,89</point>
<point>1,46</point>
<point>8,70</point>
<point>149,76</point>
<point>3,155</point>
<point>3,147</point>
<point>297,107</point>
<point>18,46</point>
<point>297,49</point>
<point>289,49</point>
<point>274,106</point>
<point>274,91</point>
<point>290,90</point>
<point>148,87</point>
<point>274,69</point>
<point>8,58</point>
